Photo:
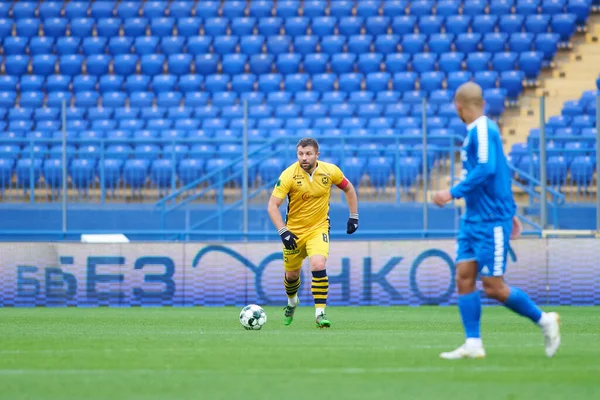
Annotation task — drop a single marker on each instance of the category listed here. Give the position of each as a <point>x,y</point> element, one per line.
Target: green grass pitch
<point>369,353</point>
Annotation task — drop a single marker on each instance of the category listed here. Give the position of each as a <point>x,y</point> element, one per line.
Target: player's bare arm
<point>274,214</point>
<point>287,237</point>
<point>352,200</point>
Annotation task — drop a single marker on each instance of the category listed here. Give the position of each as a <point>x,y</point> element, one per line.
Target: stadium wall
<point>552,271</point>
<point>140,218</point>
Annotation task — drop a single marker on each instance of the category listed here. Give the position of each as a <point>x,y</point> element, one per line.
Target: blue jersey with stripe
<point>485,178</point>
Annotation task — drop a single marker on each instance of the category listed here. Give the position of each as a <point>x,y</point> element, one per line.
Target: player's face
<point>460,110</point>
<point>307,157</point>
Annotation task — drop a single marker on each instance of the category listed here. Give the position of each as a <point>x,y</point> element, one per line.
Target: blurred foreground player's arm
<point>351,198</point>
<point>280,191</point>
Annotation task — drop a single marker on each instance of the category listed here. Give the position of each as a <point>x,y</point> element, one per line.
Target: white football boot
<point>550,324</point>
<point>467,350</point>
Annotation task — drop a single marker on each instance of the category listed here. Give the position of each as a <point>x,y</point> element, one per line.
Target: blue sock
<point>519,302</point>
<point>470,312</point>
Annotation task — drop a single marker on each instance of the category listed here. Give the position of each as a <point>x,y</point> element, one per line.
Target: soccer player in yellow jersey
<point>307,186</point>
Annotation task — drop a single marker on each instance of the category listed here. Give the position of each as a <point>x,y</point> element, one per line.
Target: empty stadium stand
<point>155,90</point>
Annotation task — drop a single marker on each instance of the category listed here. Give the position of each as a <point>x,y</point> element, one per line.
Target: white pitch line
<point>466,366</point>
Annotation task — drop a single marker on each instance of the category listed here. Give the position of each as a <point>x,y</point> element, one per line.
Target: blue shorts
<point>485,242</point>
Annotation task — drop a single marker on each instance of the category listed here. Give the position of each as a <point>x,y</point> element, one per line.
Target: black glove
<point>288,239</point>
<point>352,225</point>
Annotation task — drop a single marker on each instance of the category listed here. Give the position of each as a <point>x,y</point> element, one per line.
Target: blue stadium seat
<point>478,61</point>
<point>451,62</point>
<point>494,99</point>
<point>486,79</point>
<point>537,23</point>
<point>547,43</point>
<point>250,45</point>
<point>520,42</point>
<point>269,82</point>
<point>424,62</point>
<point>404,81</point>
<point>15,45</point>
<point>494,42</point>
<point>323,26</point>
<point>24,169</point>
<point>120,45</point>
<point>340,8</point>
<point>128,9</point>
<point>581,9</point>
<point>135,172</point>
<point>55,27</point>
<point>154,9</point>
<point>368,8</point>
<point>527,7</point>
<point>531,64</point>
<point>377,24</point>
<point>361,97</point>
<point>207,9</point>
<point>474,7</point>
<point>261,63</point>
<point>31,99</point>
<point>421,7</point>
<point>333,44</point>
<point>170,45</point>
<point>44,65</point>
<point>430,24</point>
<point>328,98</point>
<point>56,99</point>
<point>135,26</point>
<point>386,44</point>
<point>413,43</point>
<point>233,9</point>
<point>296,82</point>
<point>501,7</point>
<point>511,23</point>
<point>397,62</point>
<point>440,43</point>
<point>404,24</point>
<point>27,27</point>
<point>288,63</point>
<point>263,8</point>
<point>16,65</point>
<point>458,24</point>
<point>225,44</point>
<point>369,62</point>
<point>377,81</point>
<point>322,82</point>
<point>181,9</point>
<point>223,99</point>
<point>431,81</point>
<point>98,64</point>
<point>110,83</point>
<point>393,8</point>
<point>242,26</point>
<point>269,26</point>
<point>243,83</point>
<point>556,168</point>
<point>582,170</point>
<point>564,25</point>
<point>102,9</point>
<point>144,45</point>
<point>504,61</point>
<point>94,46</point>
<point>409,168</point>
<point>44,45</point>
<point>467,42</point>
<point>315,63</point>
<point>296,26</point>
<point>314,8</point>
<point>162,26</point>
<point>105,27</point>
<point>512,81</point>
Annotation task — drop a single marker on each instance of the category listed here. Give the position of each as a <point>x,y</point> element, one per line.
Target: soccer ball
<point>253,317</point>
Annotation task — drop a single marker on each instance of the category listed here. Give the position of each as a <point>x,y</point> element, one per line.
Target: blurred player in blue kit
<point>486,229</point>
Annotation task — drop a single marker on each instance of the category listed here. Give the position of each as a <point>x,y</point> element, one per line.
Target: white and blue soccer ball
<point>253,317</point>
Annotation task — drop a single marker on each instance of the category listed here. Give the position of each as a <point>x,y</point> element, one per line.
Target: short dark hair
<point>305,142</point>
